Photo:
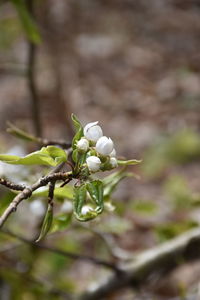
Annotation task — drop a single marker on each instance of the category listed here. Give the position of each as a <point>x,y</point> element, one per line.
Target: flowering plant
<point>90,152</point>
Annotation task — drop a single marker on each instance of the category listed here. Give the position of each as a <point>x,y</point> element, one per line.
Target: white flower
<point>113,153</point>
<point>113,162</point>
<point>104,145</point>
<point>83,145</point>
<point>86,209</point>
<point>92,131</point>
<point>93,163</point>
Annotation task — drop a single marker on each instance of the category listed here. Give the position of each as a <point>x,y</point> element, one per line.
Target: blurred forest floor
<point>135,67</point>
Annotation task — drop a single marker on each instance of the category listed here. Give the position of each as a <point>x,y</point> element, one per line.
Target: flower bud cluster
<point>101,154</point>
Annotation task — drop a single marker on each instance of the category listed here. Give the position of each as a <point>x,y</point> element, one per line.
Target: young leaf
<point>110,182</point>
<point>59,192</point>
<point>95,189</point>
<point>79,198</point>
<point>50,156</point>
<point>78,129</point>
<point>46,226</point>
<point>61,222</point>
<point>80,194</point>
<point>128,162</point>
<point>27,21</point>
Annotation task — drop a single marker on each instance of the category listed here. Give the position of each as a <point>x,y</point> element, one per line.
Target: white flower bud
<point>92,131</point>
<point>113,162</point>
<point>86,209</point>
<point>104,145</point>
<point>83,145</point>
<point>113,153</point>
<point>93,163</point>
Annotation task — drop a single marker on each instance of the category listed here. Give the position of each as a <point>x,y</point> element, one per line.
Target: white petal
<point>89,125</point>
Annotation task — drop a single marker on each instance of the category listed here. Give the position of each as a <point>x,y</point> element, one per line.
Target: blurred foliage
<point>10,30</point>
<point>116,225</point>
<point>27,20</point>
<point>180,148</point>
<point>169,230</point>
<point>179,192</point>
<point>143,207</point>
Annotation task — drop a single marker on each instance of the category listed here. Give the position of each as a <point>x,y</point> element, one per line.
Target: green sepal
<point>92,214</point>
<point>78,130</point>
<point>128,162</point>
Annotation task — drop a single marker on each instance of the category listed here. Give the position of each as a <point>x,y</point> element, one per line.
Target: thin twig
<point>20,133</point>
<point>115,251</point>
<point>11,185</point>
<point>67,254</point>
<point>28,190</point>
<point>31,64</point>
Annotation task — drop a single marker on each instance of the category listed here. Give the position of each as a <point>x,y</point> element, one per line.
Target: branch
<point>27,192</point>
<point>14,130</point>
<point>108,240</point>
<point>11,185</point>
<point>167,256</point>
<point>67,254</point>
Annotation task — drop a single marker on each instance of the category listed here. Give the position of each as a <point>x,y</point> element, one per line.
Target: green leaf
<point>128,162</point>
<point>144,207</point>
<point>59,192</point>
<point>179,148</point>
<point>61,222</point>
<point>27,21</point>
<point>95,189</point>
<point>80,195</point>
<point>110,182</point>
<point>50,156</point>
<point>78,129</point>
<point>12,129</point>
<point>47,223</point>
<point>79,198</point>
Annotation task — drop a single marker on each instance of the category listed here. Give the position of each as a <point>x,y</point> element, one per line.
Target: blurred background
<point>134,65</point>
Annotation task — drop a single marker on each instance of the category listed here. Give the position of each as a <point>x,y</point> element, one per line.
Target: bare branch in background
<point>164,258</point>
<point>20,133</point>
<point>67,254</point>
<point>109,242</point>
